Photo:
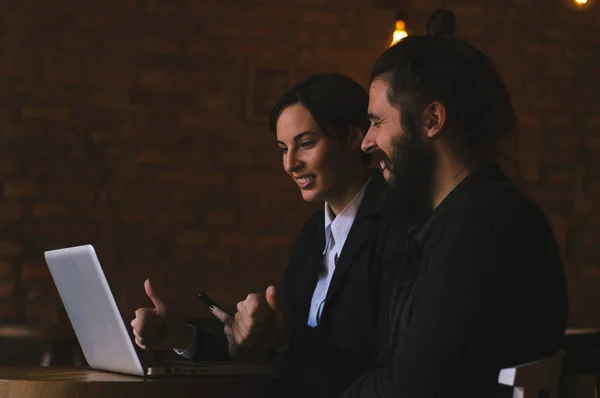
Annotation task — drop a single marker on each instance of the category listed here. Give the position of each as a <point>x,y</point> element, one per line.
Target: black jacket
<point>482,288</point>
<point>323,361</point>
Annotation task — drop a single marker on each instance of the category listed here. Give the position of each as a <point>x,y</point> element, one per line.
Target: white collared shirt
<point>336,232</point>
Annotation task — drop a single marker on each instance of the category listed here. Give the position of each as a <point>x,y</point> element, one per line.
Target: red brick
<point>591,271</point>
<point>73,96</point>
<point>176,217</point>
<point>320,18</point>
<point>157,157</point>
<point>579,53</point>
<point>19,65</point>
<point>547,104</point>
<point>204,9</point>
<point>553,50</point>
<point>201,120</point>
<point>192,178</point>
<point>6,270</point>
<point>582,204</point>
<point>7,289</point>
<point>592,239</point>
<point>192,238</point>
<point>9,168</point>
<point>69,192</point>
<point>216,102</point>
<point>160,81</point>
<point>272,241</point>
<point>161,45</point>
<point>35,270</point>
<point>135,216</point>
<point>345,35</point>
<point>48,112</point>
<point>113,99</point>
<point>592,124</point>
<point>11,210</point>
<point>265,202</point>
<point>8,312</point>
<point>156,195</point>
<point>36,170</point>
<point>225,29</point>
<point>220,217</point>
<point>305,35</point>
<point>21,189</point>
<point>233,239</point>
<point>162,7</point>
<point>563,156</point>
<point>530,171</point>
<point>10,248</point>
<point>593,142</point>
<point>256,220</point>
<point>560,176</point>
<point>187,253</point>
<point>49,234</point>
<point>561,70</point>
<point>42,313</point>
<point>533,49</point>
<point>563,122</point>
<point>92,212</point>
<point>49,210</point>
<point>117,74</point>
<point>62,68</point>
<point>24,128</point>
<point>220,257</point>
<point>199,46</point>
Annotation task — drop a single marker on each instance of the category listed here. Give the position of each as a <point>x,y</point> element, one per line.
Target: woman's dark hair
<point>337,103</point>
<point>441,67</point>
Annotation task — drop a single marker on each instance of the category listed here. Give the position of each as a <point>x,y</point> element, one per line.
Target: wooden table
<point>63,382</point>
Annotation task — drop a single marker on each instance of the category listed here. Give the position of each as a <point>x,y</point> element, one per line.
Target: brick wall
<point>124,125</point>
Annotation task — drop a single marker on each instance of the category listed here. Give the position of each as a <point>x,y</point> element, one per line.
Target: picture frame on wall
<point>266,83</point>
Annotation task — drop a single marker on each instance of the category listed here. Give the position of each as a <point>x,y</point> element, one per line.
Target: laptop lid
<point>92,310</point>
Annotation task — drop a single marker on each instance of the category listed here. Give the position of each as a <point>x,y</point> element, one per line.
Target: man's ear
<point>434,119</point>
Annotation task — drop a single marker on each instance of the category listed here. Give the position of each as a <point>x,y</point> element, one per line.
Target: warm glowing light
<point>581,2</point>
<point>400,32</point>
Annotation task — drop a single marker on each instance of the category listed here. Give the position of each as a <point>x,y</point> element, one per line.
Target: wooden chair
<point>529,379</point>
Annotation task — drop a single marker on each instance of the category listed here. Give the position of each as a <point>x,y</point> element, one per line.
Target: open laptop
<point>101,332</point>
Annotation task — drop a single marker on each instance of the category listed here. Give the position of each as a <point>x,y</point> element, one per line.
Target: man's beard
<point>409,192</point>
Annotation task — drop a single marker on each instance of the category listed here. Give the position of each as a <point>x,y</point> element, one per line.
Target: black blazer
<point>322,361</point>
<point>482,288</point>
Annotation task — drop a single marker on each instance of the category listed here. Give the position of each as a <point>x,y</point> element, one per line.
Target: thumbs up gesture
<point>156,326</point>
<point>260,321</point>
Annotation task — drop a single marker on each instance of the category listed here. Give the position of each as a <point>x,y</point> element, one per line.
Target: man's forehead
<point>378,98</point>
<point>378,85</point>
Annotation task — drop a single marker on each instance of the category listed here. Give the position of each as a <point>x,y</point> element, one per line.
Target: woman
<point>323,328</point>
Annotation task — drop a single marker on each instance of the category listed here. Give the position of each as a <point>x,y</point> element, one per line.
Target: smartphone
<point>210,302</point>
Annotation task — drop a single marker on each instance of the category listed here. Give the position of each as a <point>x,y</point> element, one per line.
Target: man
<point>482,284</point>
